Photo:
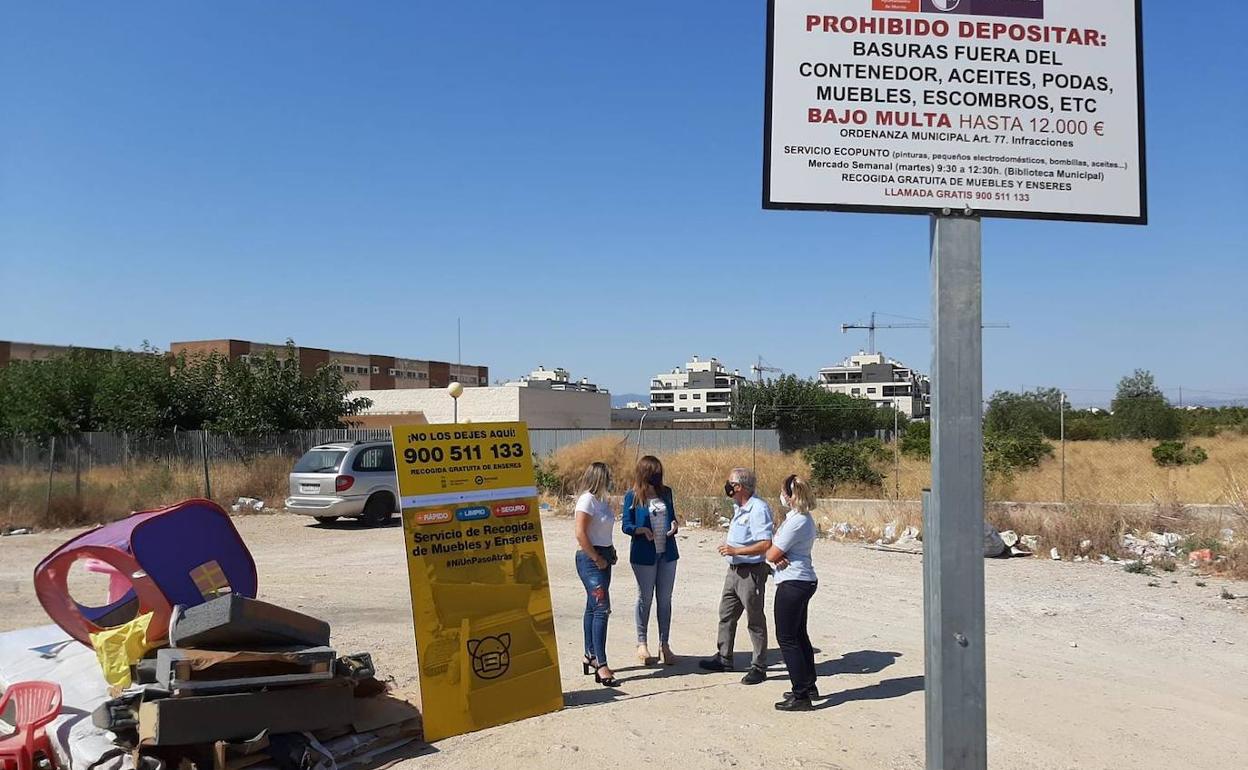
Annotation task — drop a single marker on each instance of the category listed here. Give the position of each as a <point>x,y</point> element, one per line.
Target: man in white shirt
<point>745,587</point>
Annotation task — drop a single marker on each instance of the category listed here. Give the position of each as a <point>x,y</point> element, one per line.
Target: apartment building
<point>555,379</point>
<point>703,387</point>
<point>362,371</point>
<point>882,380</point>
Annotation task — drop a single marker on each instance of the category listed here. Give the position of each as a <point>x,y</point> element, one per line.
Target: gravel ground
<point>1088,667</point>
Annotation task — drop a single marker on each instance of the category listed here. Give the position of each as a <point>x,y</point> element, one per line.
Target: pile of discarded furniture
<point>197,672</point>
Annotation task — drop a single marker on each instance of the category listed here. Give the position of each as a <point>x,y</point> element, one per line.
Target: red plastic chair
<point>38,703</point>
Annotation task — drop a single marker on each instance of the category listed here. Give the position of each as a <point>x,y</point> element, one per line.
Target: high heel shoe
<point>609,681</point>
<point>666,655</point>
<point>644,656</point>
<point>589,665</point>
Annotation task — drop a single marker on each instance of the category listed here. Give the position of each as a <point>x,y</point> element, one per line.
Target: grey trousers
<point>745,589</point>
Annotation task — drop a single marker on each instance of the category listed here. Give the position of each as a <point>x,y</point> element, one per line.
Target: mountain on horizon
<point>618,400</point>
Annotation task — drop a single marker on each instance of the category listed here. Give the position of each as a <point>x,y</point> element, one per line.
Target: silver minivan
<point>346,478</point>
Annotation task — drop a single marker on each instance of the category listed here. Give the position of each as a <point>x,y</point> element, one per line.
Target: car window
<point>320,461</point>
<point>377,459</point>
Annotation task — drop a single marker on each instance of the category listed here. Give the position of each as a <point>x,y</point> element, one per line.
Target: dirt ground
<point>1088,666</point>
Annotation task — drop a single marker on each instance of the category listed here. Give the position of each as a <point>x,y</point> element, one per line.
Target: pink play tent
<point>182,555</point>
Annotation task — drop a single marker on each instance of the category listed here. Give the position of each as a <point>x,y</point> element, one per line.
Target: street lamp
<point>455,390</point>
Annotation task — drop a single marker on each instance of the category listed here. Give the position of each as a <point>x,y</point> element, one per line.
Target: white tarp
<point>47,653</point>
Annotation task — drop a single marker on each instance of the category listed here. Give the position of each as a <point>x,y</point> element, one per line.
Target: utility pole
<point>953,519</point>
<point>1062,411</point>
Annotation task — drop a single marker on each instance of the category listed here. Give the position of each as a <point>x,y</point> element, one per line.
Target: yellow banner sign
<point>485,631</point>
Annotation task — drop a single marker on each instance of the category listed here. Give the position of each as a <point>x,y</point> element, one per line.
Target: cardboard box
<point>239,716</point>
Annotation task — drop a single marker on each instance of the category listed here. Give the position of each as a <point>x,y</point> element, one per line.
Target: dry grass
<point>1097,472</point>
<point>107,493</point>
<point>1107,472</point>
<point>1106,482</point>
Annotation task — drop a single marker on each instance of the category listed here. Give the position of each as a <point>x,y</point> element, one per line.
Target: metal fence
<point>95,449</point>
<point>121,472</point>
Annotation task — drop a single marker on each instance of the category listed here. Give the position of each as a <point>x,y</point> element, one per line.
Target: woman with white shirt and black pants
<point>595,524</point>
<point>790,554</point>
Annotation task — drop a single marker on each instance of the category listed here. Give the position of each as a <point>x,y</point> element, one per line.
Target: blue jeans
<point>597,584</point>
<point>655,580</point>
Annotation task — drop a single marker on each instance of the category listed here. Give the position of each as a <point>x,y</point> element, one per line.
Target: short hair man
<point>745,587</point>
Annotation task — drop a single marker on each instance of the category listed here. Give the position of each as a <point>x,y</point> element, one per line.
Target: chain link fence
<point>77,479</point>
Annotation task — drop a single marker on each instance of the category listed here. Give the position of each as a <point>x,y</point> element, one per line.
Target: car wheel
<point>325,519</point>
<point>377,511</point>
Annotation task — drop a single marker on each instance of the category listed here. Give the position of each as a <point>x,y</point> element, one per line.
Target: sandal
<point>609,681</point>
<point>589,665</point>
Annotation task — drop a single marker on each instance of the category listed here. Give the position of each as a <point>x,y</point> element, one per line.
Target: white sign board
<point>1014,108</point>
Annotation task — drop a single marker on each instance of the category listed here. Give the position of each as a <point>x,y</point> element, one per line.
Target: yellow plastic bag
<point>121,647</point>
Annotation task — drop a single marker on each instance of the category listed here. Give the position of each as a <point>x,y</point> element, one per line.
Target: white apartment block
<point>882,380</point>
<point>556,379</point>
<point>704,387</point>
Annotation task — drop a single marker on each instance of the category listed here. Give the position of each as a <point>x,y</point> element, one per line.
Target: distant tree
<point>1089,425</point>
<point>1019,449</point>
<point>270,394</point>
<point>151,393</point>
<point>1210,421</point>
<point>52,397</point>
<point>1040,409</point>
<point>916,440</point>
<point>804,413</point>
<point>1141,411</point>
<point>135,394</point>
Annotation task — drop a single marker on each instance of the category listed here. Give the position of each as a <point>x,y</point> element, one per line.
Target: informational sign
<point>485,632</point>
<point>1016,108</point>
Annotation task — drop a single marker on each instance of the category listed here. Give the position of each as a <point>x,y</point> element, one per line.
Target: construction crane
<point>761,367</point>
<point>871,327</point>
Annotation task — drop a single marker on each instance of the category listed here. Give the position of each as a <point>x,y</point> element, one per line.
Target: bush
<point>916,440</point>
<point>1005,453</point>
<point>1141,411</point>
<point>833,465</point>
<point>547,477</point>
<point>1089,426</point>
<point>1172,454</point>
<point>1040,409</point>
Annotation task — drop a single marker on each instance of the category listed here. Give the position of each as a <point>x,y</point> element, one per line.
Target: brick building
<point>36,351</point>
<point>362,371</point>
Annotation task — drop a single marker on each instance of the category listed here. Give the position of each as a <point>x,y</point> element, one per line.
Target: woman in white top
<point>594,526</point>
<point>796,582</point>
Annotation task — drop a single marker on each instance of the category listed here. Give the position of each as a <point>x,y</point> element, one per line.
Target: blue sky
<point>577,181</point>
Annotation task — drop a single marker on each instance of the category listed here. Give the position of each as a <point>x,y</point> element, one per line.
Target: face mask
<point>728,488</point>
<point>656,481</point>
<point>784,500</point>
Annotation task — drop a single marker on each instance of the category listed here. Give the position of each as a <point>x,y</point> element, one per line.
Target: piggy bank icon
<point>491,655</point>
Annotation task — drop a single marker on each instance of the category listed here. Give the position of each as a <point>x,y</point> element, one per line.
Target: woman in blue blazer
<point>649,518</point>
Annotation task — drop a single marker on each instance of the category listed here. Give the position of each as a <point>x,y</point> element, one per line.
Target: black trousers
<point>792,605</point>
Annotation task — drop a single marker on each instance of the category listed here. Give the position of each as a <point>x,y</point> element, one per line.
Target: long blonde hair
<point>596,480</point>
<point>801,496</point>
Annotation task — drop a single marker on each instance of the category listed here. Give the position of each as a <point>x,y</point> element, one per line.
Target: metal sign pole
<point>953,519</point>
